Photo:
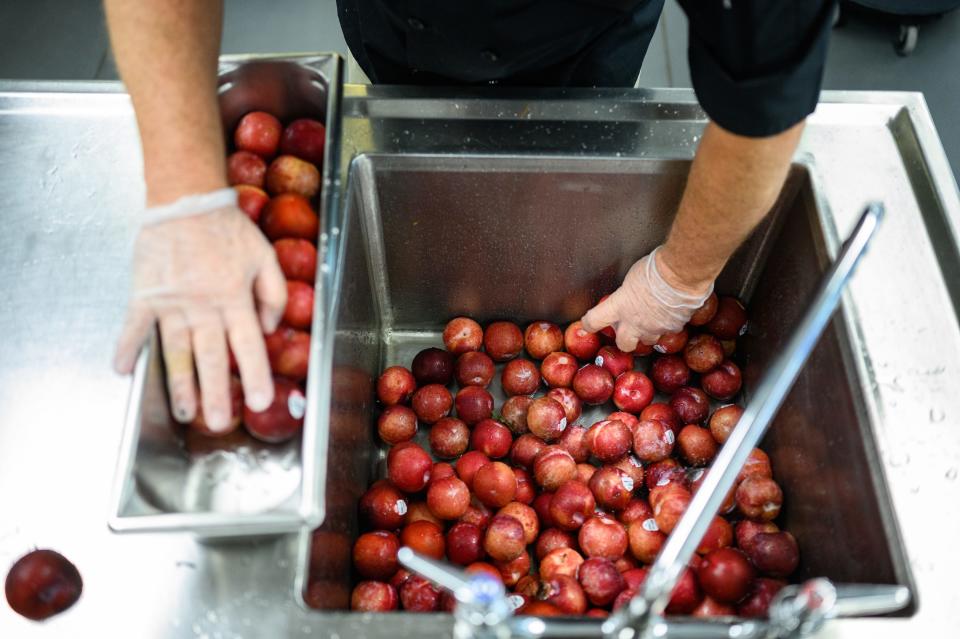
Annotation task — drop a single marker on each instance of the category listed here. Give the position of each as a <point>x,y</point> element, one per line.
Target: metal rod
<point>864,600</point>
<point>570,628</point>
<point>442,574</point>
<point>770,393</point>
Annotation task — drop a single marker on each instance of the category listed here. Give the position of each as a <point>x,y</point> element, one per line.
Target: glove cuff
<point>190,205</point>
<point>666,294</point>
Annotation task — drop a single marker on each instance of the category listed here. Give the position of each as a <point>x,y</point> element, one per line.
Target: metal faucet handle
<point>482,603</point>
<point>861,600</point>
<point>800,610</point>
<point>445,576</point>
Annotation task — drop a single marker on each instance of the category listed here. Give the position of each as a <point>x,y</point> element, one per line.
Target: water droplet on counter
<point>898,459</point>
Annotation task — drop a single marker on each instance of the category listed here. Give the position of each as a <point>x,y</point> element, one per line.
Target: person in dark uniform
<point>206,275</point>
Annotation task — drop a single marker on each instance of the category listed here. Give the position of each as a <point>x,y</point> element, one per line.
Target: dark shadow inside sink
<point>427,238</point>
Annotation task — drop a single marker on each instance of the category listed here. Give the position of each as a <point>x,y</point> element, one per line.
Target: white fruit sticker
<point>650,525</point>
<point>627,482</point>
<point>515,601</point>
<point>669,436</point>
<point>296,404</point>
<point>401,507</point>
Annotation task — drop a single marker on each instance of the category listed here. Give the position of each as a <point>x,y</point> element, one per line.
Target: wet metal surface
<point>71,189</point>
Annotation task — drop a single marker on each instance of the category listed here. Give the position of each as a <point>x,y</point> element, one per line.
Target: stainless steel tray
<point>246,488</point>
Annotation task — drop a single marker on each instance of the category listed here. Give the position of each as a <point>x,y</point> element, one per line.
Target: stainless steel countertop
<point>70,188</point>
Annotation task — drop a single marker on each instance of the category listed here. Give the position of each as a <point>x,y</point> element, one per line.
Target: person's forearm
<point>733,183</point>
<point>166,51</point>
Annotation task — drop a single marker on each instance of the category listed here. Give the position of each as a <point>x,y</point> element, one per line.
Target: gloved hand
<point>204,272</point>
<point>645,306</point>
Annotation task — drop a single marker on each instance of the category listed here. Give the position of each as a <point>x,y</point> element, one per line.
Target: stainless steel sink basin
<point>428,237</point>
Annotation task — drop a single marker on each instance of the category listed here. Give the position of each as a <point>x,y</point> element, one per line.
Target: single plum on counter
<point>41,584</point>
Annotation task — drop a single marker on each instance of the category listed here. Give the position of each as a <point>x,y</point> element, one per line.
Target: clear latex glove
<point>645,306</point>
<point>207,277</point>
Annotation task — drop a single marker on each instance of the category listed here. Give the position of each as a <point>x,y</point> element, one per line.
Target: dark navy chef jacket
<point>756,65</point>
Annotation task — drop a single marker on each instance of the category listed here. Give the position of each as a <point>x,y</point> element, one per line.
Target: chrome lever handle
<point>861,600</point>
<point>801,610</point>
<point>444,575</point>
<point>482,605</point>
